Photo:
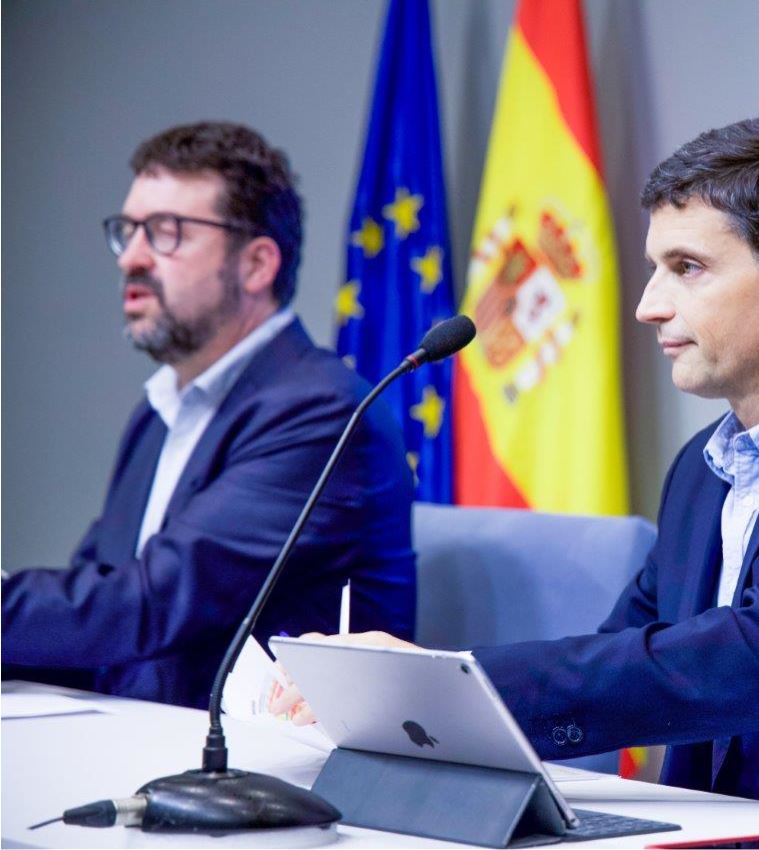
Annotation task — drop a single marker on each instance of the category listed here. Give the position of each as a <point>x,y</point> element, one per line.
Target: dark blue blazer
<point>667,667</point>
<point>157,627</point>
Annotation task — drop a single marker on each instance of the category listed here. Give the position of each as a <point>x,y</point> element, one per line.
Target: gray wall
<point>84,81</point>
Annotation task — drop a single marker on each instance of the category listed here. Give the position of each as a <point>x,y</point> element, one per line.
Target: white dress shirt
<point>732,454</point>
<point>187,412</point>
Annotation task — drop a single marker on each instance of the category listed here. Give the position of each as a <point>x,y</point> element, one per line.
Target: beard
<point>169,339</point>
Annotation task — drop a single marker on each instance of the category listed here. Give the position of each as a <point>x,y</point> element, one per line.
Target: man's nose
<point>655,304</point>
<point>137,254</point>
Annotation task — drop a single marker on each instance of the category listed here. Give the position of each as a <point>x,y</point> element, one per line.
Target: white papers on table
<point>19,705</point>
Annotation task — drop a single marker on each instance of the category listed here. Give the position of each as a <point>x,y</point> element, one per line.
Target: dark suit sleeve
<point>197,577</point>
<point>691,681</point>
<point>642,680</point>
<point>187,581</point>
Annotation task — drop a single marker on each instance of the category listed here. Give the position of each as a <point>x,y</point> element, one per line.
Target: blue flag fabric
<point>399,281</point>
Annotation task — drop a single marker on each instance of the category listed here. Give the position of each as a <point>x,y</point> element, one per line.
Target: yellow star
<point>412,459</point>
<point>347,305</point>
<point>404,211</point>
<point>370,237</point>
<point>429,268</point>
<point>429,412</point>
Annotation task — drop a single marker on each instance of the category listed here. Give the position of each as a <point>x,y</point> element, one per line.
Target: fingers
<point>284,700</point>
<point>289,700</point>
<point>381,639</point>
<point>303,715</point>
<point>290,703</point>
<point>375,638</point>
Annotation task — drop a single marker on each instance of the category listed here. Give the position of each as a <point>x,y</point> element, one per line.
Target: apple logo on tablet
<point>417,734</point>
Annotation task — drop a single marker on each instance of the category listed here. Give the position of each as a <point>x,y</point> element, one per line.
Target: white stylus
<point>345,609</point>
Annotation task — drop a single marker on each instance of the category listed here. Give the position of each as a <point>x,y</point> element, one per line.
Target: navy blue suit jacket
<point>156,627</point>
<point>667,667</point>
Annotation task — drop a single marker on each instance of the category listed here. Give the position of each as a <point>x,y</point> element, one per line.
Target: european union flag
<point>399,280</point>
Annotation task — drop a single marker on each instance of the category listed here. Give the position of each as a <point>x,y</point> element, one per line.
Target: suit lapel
<point>722,745</point>
<point>749,560</point>
<point>700,590</point>
<point>264,367</point>
<point>701,581</point>
<point>129,495</point>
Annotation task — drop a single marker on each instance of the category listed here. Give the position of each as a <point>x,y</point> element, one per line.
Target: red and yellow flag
<point>537,398</point>
<point>632,761</point>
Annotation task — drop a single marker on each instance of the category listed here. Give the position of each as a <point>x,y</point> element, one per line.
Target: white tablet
<point>421,703</point>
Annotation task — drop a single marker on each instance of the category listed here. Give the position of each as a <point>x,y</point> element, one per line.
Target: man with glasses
<point>217,461</point>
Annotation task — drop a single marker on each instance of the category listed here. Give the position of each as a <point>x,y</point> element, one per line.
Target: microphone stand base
<point>228,801</point>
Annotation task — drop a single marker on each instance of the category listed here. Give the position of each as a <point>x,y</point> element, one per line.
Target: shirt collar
<point>211,386</point>
<point>729,437</point>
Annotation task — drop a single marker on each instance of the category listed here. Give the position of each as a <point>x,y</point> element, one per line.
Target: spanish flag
<point>537,397</point>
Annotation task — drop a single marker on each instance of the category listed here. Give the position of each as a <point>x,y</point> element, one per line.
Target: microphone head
<point>447,338</point>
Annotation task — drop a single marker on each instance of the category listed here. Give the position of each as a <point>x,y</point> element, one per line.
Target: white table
<point>57,762</point>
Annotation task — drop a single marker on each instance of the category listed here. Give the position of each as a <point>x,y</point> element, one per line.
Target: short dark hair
<point>721,167</point>
<point>260,193</point>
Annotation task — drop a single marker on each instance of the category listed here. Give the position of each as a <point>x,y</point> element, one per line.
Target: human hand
<point>290,700</point>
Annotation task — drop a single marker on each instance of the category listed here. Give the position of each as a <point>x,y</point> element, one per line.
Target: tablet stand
<point>438,799</point>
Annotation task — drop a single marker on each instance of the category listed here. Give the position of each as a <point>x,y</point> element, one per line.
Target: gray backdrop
<point>84,81</point>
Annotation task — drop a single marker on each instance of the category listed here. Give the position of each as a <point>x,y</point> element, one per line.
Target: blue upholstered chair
<point>494,576</point>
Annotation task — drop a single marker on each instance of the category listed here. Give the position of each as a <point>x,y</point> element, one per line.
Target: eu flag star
<point>429,268</point>
<point>347,305</point>
<point>404,211</point>
<point>429,411</point>
<point>370,237</point>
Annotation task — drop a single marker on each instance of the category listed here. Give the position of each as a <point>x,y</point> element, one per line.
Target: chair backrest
<point>494,576</point>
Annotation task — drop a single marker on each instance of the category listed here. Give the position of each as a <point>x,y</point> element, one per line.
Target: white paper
<point>252,684</point>
<point>46,705</point>
<point>312,735</point>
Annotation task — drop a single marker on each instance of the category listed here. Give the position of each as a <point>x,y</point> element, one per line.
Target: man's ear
<point>258,264</point>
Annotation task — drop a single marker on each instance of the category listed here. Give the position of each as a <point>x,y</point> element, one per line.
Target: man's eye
<point>687,267</point>
<point>165,227</point>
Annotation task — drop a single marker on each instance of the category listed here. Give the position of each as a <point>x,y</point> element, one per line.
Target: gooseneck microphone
<point>217,798</point>
<point>442,340</point>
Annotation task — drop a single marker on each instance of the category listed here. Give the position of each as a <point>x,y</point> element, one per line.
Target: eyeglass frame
<point>179,220</point>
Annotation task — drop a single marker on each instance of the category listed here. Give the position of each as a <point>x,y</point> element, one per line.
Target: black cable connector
<point>103,813</point>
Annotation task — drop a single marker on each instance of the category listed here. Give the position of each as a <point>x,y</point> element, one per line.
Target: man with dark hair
<point>677,661</point>
<point>721,169</point>
<point>217,462</point>
<point>258,195</point>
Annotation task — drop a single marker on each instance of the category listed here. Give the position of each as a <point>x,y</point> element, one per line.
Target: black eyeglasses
<point>163,230</point>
